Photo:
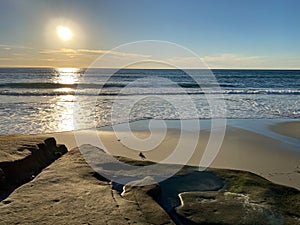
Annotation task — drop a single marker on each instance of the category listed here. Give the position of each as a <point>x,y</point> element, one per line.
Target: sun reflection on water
<point>67,75</point>
<point>64,113</point>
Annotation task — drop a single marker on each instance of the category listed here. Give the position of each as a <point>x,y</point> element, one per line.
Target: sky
<point>221,33</point>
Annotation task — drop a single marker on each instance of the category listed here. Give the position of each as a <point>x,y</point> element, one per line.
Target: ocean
<point>45,100</point>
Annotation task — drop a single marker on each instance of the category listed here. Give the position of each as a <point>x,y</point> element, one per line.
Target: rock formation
<point>14,173</point>
<point>69,191</point>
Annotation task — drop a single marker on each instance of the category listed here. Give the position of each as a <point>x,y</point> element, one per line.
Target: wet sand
<point>291,129</point>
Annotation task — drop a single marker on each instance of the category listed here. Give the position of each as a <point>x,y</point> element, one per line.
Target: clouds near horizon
<point>21,56</point>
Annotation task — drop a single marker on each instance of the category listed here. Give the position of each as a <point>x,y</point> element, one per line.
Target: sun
<point>64,33</point>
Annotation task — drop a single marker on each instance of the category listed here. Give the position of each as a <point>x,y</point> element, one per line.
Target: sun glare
<point>64,33</point>
<point>67,75</point>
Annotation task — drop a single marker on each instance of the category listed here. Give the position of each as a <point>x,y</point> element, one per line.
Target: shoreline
<point>287,128</point>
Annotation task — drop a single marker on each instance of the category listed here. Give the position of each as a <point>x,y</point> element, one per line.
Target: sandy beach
<point>241,149</point>
<point>291,129</point>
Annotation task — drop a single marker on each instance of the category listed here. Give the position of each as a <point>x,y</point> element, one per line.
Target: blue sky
<point>224,33</point>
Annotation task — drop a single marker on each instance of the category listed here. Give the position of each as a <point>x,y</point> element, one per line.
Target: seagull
<point>142,156</point>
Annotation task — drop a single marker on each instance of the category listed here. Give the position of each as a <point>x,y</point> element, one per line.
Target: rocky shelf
<point>69,191</point>
<point>26,162</point>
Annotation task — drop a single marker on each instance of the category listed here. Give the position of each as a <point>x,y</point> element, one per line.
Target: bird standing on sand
<point>142,156</point>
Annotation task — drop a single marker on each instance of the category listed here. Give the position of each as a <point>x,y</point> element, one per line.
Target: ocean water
<point>44,100</point>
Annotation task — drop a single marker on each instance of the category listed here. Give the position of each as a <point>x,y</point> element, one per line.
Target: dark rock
<point>2,176</point>
<point>50,142</point>
<point>17,172</point>
<point>61,150</point>
<point>6,202</point>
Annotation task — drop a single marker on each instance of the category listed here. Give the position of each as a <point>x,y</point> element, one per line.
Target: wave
<point>105,85</point>
<point>142,91</point>
<point>264,91</point>
<point>37,85</point>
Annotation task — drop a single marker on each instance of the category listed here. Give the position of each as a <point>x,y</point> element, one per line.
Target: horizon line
<point>53,67</point>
